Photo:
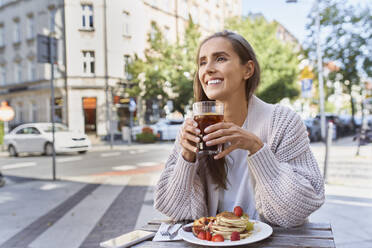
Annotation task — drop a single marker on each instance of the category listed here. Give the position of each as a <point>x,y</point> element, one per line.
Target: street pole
<point>51,57</point>
<point>108,105</point>
<point>320,72</point>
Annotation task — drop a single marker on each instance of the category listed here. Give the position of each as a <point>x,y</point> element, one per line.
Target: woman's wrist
<point>189,157</point>
<point>257,144</point>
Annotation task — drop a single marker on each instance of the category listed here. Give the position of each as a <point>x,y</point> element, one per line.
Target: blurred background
<point>116,75</point>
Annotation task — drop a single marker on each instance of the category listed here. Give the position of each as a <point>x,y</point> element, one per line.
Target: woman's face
<point>220,71</point>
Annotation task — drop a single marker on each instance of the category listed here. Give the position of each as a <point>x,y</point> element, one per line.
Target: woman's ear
<point>249,69</point>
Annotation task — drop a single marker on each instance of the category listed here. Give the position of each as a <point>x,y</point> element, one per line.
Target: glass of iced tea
<point>207,113</point>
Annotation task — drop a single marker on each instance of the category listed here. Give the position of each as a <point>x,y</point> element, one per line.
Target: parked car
<point>313,129</point>
<point>337,126</point>
<point>165,129</point>
<point>37,138</point>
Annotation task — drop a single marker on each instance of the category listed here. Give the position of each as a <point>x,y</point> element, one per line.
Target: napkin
<point>172,229</point>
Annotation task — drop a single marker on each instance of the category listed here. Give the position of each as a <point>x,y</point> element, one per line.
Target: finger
<point>191,129</point>
<point>191,122</point>
<point>217,126</point>
<point>225,152</point>
<point>190,137</point>
<point>220,140</point>
<point>186,145</point>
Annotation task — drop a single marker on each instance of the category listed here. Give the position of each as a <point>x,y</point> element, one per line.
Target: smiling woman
<point>266,166</point>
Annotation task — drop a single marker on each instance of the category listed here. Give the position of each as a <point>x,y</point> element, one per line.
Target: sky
<point>293,16</point>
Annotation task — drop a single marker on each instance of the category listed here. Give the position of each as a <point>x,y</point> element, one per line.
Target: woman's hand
<point>238,137</point>
<point>189,139</point>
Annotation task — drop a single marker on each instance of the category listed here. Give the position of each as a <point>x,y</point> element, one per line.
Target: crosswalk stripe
<point>84,215</point>
<point>17,165</point>
<point>110,154</point>
<point>147,164</point>
<point>69,159</point>
<point>124,167</point>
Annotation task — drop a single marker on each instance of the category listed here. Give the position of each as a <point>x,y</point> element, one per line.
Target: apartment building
<point>95,41</point>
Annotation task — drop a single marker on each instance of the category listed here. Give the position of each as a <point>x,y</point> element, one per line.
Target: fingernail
<point>208,143</point>
<point>206,129</point>
<point>215,157</point>
<point>205,138</point>
<point>195,124</point>
<point>197,130</point>
<point>197,140</point>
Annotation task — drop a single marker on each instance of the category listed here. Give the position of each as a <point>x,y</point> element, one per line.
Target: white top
<point>238,194</point>
<point>286,179</point>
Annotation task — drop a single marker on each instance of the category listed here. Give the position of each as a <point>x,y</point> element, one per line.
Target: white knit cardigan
<point>288,184</point>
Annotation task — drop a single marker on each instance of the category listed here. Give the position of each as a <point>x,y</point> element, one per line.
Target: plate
<point>261,231</point>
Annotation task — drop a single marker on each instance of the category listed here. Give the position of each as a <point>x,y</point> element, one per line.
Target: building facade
<point>96,39</point>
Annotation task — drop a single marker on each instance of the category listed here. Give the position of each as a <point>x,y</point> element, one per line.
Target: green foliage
<point>166,66</point>
<point>1,132</point>
<point>347,32</point>
<point>278,60</point>
<point>149,74</point>
<point>146,138</point>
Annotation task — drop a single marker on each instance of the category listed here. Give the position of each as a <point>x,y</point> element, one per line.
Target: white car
<point>37,138</point>
<point>165,129</point>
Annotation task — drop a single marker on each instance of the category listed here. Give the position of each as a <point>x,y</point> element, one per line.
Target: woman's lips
<point>214,81</point>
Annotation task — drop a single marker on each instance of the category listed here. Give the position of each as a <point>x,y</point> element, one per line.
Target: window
<point>206,19</point>
<point>31,70</point>
<point>194,13</point>
<point>17,32</point>
<point>88,62</point>
<point>167,33</point>
<point>87,16</point>
<point>33,111</point>
<point>2,75</point>
<point>127,61</point>
<point>126,20</point>
<point>153,31</point>
<point>183,8</point>
<point>17,72</point>
<point>30,28</point>
<point>2,35</point>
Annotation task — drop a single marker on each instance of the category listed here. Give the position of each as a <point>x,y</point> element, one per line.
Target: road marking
<point>124,167</point>
<point>110,154</point>
<point>147,164</point>
<point>85,215</point>
<point>17,165</point>
<point>351,203</point>
<point>69,159</point>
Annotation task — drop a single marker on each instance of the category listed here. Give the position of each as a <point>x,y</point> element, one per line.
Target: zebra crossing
<point>73,214</point>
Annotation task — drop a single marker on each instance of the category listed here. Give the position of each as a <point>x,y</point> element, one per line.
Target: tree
<point>278,60</point>
<point>346,41</point>
<point>184,67</point>
<point>149,74</point>
<point>166,66</point>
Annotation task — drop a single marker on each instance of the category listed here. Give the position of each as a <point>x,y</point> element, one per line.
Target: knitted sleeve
<point>180,192</point>
<point>289,186</point>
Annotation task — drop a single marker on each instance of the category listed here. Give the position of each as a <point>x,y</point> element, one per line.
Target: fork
<point>166,232</point>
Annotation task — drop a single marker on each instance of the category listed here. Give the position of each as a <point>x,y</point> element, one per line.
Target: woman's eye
<point>220,59</point>
<point>202,63</point>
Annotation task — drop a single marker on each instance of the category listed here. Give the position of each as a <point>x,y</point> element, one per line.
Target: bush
<point>147,136</point>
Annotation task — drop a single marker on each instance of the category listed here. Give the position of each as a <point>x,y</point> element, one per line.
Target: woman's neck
<point>235,111</point>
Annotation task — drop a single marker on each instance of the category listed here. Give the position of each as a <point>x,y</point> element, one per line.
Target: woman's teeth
<point>215,81</point>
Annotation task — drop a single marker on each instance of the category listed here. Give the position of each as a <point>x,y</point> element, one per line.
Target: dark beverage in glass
<point>205,114</point>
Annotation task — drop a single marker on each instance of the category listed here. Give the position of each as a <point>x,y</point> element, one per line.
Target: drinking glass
<point>207,113</point>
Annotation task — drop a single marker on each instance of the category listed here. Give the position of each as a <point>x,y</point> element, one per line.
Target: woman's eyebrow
<point>215,54</point>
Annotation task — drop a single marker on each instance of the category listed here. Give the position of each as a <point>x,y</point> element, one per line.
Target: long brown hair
<point>217,168</point>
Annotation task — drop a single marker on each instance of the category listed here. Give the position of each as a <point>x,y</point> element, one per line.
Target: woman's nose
<point>210,68</point>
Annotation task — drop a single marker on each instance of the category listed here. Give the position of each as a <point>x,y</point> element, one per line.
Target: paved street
<point>105,193</point>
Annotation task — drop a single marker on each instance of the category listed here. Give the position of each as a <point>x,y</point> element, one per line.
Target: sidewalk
<point>83,211</point>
